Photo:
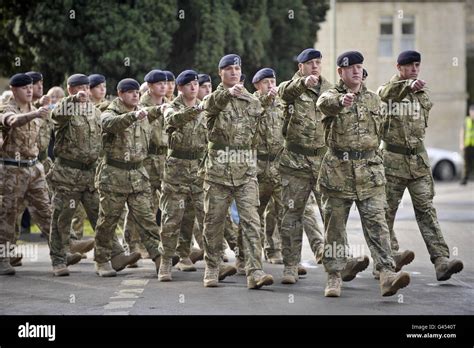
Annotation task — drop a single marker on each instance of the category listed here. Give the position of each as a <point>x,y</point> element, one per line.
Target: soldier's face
<point>409,71</point>
<point>189,90</point>
<point>171,86</point>
<point>23,94</point>
<point>351,75</point>
<point>264,85</point>
<point>38,89</point>
<point>311,67</point>
<point>230,75</point>
<point>76,89</point>
<point>204,89</point>
<point>130,98</point>
<point>159,89</point>
<point>99,91</point>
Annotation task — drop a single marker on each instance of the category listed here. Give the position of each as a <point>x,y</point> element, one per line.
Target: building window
<point>408,34</point>
<point>386,37</point>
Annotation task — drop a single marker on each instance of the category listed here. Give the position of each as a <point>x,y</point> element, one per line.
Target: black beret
<point>169,75</point>
<point>77,80</point>
<point>229,59</point>
<point>36,76</point>
<point>128,85</point>
<point>308,54</point>
<point>186,77</point>
<point>263,74</point>
<point>20,80</point>
<point>203,78</point>
<point>96,79</point>
<point>407,57</point>
<point>350,58</point>
<point>364,73</point>
<point>155,76</point>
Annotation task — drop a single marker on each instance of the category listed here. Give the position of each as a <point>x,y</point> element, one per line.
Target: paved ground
<point>34,291</point>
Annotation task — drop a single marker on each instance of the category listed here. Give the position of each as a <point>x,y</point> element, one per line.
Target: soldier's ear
<point>339,71</point>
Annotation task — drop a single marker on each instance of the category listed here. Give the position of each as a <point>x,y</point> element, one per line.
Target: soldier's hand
<point>348,99</point>
<point>43,112</point>
<point>141,114</point>
<point>45,100</point>
<point>417,85</point>
<point>163,107</point>
<point>311,81</point>
<point>237,90</point>
<point>272,92</point>
<point>82,97</point>
<point>199,108</point>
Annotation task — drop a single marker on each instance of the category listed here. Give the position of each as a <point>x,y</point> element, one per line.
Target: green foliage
<point>128,38</point>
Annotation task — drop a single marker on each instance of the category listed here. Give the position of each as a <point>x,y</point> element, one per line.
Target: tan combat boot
<point>211,277</point>
<point>333,285</point>
<point>403,258</point>
<point>196,255</point>
<point>226,271</point>
<point>164,274</point>
<point>354,266</point>
<point>186,265</point>
<point>276,258</point>
<point>290,275</point>
<point>73,258</point>
<point>445,268</point>
<point>5,267</point>
<point>105,269</point>
<point>60,270</point>
<point>240,266</point>
<point>120,261</point>
<point>81,246</point>
<point>301,270</point>
<point>258,279</point>
<point>390,282</point>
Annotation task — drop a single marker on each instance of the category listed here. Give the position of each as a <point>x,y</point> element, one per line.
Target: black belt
<point>303,150</point>
<point>266,157</point>
<point>404,150</point>
<point>75,164</point>
<point>123,165</point>
<point>188,155</point>
<point>153,149</point>
<point>353,155</point>
<point>21,163</point>
<point>218,146</point>
<point>43,155</point>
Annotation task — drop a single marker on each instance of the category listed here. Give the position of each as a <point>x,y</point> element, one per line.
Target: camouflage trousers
<point>180,205</point>
<point>131,234</point>
<point>421,192</point>
<point>21,187</point>
<point>296,191</point>
<point>270,212</point>
<point>217,199</point>
<point>77,223</point>
<point>372,214</point>
<point>65,204</point>
<point>140,211</point>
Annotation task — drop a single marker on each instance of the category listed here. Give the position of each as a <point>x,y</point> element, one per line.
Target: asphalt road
<point>34,290</point>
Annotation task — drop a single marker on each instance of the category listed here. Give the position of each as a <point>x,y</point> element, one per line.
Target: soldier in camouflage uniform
<point>302,154</point>
<point>181,185</point>
<point>122,178</point>
<point>352,171</point>
<point>77,148</point>
<point>232,115</point>
<point>171,85</point>
<point>406,161</point>
<point>22,177</point>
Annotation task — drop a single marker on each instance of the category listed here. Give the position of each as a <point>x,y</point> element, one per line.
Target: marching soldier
<point>352,171</point>
<point>22,177</point>
<point>407,164</point>
<point>232,115</point>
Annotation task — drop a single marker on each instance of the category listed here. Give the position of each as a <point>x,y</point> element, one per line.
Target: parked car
<point>445,165</point>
